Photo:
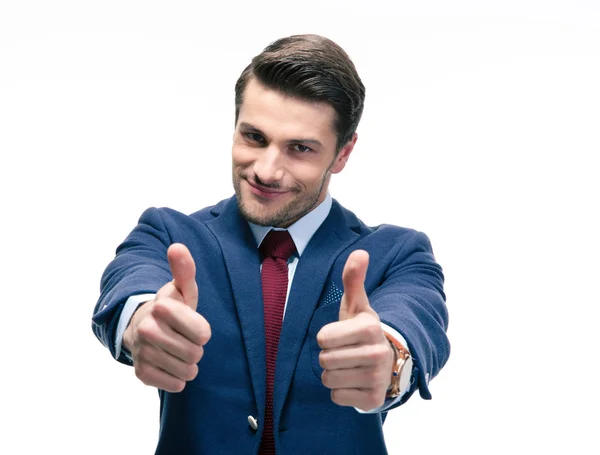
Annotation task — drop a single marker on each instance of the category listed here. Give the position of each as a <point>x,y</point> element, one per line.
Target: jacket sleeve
<point>139,267</point>
<point>411,299</point>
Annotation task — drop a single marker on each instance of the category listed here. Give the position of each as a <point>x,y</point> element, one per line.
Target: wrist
<point>128,337</point>
<point>128,334</point>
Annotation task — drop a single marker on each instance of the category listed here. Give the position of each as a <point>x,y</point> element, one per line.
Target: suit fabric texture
<point>404,284</point>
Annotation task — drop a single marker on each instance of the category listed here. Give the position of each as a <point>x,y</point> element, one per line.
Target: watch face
<point>406,375</point>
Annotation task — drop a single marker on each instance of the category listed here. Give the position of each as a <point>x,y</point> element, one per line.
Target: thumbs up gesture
<point>356,356</point>
<point>166,336</point>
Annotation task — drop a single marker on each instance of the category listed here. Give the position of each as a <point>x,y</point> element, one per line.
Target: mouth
<point>267,193</point>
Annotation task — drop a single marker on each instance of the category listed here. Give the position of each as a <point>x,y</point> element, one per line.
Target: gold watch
<point>402,368</point>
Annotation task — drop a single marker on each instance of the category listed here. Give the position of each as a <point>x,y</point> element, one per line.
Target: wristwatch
<point>402,370</point>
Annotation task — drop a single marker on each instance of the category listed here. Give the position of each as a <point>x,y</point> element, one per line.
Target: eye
<point>255,137</point>
<point>301,148</point>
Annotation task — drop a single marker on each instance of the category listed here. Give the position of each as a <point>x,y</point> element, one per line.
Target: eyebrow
<point>253,129</point>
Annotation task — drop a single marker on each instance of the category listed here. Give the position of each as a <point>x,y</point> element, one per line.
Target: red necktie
<point>276,248</point>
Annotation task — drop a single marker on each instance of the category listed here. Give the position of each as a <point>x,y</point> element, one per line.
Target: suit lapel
<point>332,237</point>
<point>243,265</point>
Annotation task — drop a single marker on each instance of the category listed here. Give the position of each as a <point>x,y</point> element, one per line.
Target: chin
<point>255,212</point>
<point>256,216</point>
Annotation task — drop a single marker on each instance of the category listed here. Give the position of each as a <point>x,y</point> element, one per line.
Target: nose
<point>269,165</point>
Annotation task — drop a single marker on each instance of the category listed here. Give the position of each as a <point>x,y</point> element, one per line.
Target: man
<point>276,321</point>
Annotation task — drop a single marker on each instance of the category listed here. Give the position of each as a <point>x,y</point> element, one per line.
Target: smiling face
<point>283,155</point>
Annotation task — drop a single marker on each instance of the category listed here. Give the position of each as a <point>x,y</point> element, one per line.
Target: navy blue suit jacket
<point>404,284</point>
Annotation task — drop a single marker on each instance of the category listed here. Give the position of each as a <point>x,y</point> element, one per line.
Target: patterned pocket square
<point>333,295</point>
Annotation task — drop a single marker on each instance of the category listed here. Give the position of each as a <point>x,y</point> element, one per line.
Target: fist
<point>166,336</point>
<point>356,356</point>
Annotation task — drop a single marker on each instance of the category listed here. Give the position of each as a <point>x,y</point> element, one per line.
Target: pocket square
<point>333,295</point>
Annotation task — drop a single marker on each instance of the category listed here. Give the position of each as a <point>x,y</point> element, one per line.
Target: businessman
<point>276,321</point>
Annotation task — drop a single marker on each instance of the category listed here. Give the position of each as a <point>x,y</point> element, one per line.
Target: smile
<point>266,193</point>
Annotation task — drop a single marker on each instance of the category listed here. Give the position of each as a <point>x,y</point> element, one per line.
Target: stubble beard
<point>287,214</point>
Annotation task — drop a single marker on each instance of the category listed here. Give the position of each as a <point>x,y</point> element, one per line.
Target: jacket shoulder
<point>382,230</point>
<point>167,214</point>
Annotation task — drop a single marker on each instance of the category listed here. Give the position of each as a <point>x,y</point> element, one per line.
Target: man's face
<point>283,155</point>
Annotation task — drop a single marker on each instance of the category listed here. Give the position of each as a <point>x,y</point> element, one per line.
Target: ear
<point>343,155</point>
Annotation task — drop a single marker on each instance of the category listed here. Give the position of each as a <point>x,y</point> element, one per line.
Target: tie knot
<point>278,244</point>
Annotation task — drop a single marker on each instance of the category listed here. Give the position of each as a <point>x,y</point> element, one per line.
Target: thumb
<point>355,298</point>
<point>183,270</point>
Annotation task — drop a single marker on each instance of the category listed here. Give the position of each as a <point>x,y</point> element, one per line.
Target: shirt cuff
<point>131,305</point>
<point>389,402</point>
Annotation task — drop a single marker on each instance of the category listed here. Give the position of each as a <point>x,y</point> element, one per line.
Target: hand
<point>166,336</point>
<point>356,355</point>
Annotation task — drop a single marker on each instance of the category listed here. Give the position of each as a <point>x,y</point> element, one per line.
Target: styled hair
<point>310,68</point>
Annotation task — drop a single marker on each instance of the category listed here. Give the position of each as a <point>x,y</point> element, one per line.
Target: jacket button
<point>253,423</point>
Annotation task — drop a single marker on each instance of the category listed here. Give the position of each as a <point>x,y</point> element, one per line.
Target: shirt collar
<point>302,230</point>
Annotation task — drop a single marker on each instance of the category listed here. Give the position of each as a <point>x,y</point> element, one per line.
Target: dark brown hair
<point>311,68</point>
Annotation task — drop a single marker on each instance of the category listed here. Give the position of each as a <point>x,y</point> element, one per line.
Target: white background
<point>480,126</point>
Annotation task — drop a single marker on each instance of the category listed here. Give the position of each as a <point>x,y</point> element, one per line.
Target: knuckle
<point>371,354</point>
<point>374,400</point>
<point>141,372</point>
<point>372,330</point>
<point>384,379</point>
<point>143,352</point>
<point>376,354</point>
<point>199,339</point>
<point>192,372</point>
<point>195,354</point>
<point>325,376</point>
<point>324,360</point>
<point>207,333</point>
<point>320,339</point>
<point>369,402</point>
<point>336,397</point>
<point>160,308</point>
<point>204,334</point>
<point>381,352</point>
<point>145,329</point>
<point>178,386</point>
<point>325,335</point>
